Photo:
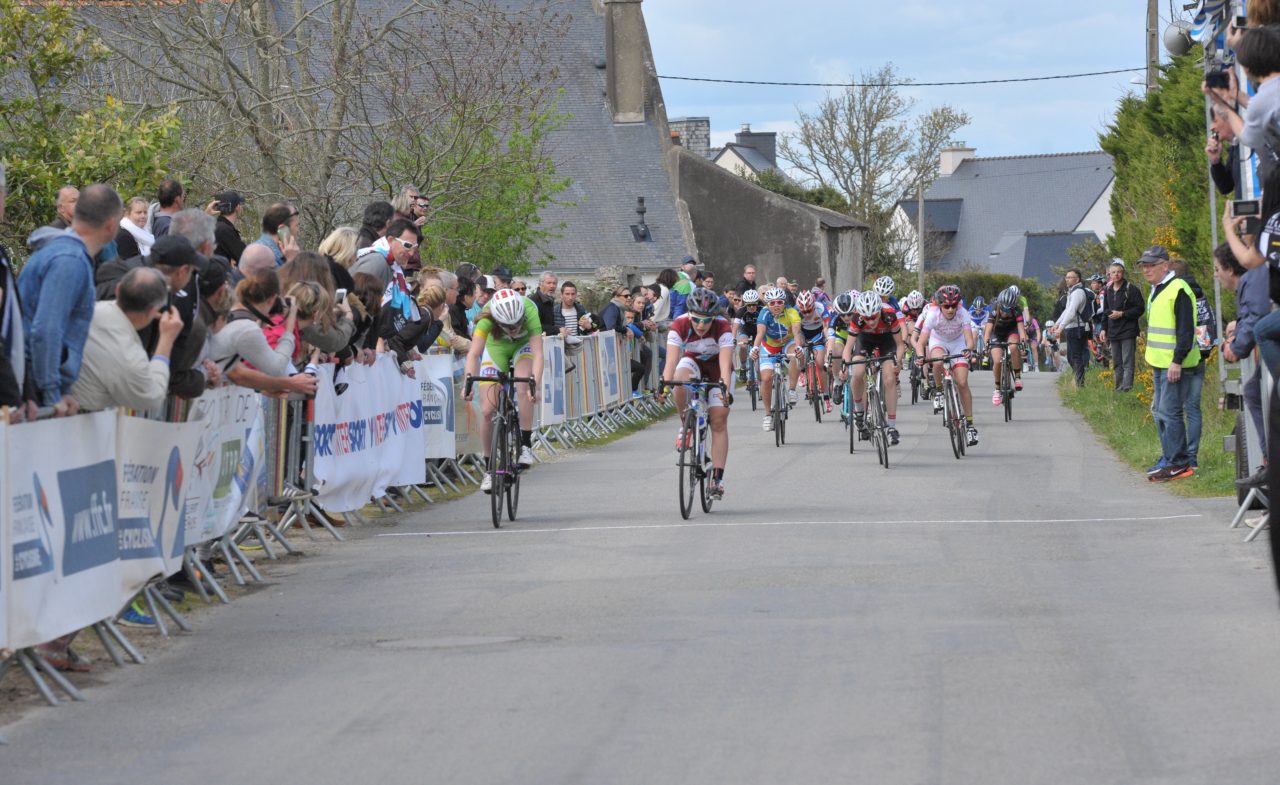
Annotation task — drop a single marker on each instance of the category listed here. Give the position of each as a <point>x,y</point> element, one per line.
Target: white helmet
<point>915,299</point>
<point>507,307</point>
<point>750,297</point>
<point>884,286</point>
<point>775,294</point>
<point>868,304</point>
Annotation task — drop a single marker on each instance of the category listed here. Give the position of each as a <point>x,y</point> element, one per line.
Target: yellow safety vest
<point>1162,327</point>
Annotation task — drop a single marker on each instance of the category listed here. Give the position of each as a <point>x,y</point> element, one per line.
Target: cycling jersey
<point>1004,323</point>
<point>777,329</point>
<point>890,322</point>
<point>815,319</point>
<point>838,327</point>
<point>912,314</point>
<point>945,330</point>
<point>747,319</point>
<point>703,350</point>
<point>980,317</point>
<point>504,344</point>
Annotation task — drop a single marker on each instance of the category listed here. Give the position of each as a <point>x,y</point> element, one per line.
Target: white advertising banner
<point>61,504</point>
<point>552,403</point>
<point>6,562</point>
<point>370,437</point>
<point>610,384</point>
<point>435,379</point>
<point>227,464</point>
<point>155,466</point>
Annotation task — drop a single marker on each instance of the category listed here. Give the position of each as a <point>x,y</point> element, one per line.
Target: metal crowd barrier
<point>1252,451</point>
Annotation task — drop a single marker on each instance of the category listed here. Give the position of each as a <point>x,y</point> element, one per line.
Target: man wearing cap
<point>1174,358</point>
<point>1122,306</point>
<point>1096,286</point>
<point>1072,327</point>
<point>178,261</point>
<point>228,206</point>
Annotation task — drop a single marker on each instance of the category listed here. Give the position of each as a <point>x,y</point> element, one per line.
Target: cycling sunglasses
<point>702,319</point>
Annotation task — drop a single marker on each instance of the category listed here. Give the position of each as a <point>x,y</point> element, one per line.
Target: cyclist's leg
<point>835,350</point>
<point>1015,353</point>
<point>718,415</point>
<point>858,384</point>
<point>686,370</point>
<point>820,357</point>
<point>889,373</point>
<point>524,397</point>
<point>793,369</point>
<point>960,373</point>
<point>936,350</point>
<point>997,359</point>
<point>489,365</point>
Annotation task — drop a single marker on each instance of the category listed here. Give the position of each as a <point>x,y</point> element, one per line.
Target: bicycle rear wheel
<point>915,385</point>
<point>777,408</point>
<point>850,421</point>
<point>687,465</point>
<point>497,467</point>
<point>512,485</point>
<point>956,417</point>
<point>815,390</point>
<point>1007,394</point>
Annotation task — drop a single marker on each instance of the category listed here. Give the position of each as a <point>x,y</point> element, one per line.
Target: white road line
<point>708,525</point>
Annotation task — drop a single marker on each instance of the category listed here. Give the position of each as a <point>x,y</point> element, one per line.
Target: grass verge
<point>1123,421</point>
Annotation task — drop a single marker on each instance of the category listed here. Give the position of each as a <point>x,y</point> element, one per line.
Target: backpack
<point>1089,309</point>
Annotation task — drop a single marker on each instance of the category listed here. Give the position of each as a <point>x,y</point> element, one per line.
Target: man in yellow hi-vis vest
<point>1174,358</point>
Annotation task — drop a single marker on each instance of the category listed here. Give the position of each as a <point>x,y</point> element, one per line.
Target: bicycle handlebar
<point>965,354</point>
<point>667,383</point>
<point>874,360</point>
<point>501,378</point>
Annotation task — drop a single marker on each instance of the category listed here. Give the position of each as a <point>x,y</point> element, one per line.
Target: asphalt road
<point>1033,613</point>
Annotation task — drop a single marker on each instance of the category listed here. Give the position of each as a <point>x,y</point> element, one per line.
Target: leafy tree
<point>46,141</point>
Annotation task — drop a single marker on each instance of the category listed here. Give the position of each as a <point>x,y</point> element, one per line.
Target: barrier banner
<point>607,347</point>
<point>5,562</point>
<point>623,357</point>
<point>435,379</point>
<point>552,405</point>
<point>155,464</point>
<point>466,416</point>
<point>62,513</point>
<point>227,466</point>
<point>368,438</point>
<point>589,367</point>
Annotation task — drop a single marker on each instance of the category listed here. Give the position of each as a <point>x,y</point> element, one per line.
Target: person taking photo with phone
<point>280,231</point>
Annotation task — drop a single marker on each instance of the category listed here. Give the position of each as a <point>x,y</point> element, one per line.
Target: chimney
<point>695,133</point>
<point>625,76</point>
<point>952,156</point>
<point>764,141</point>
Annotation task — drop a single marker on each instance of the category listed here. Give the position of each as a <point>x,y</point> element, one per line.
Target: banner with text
<point>610,384</point>
<point>552,404</point>
<point>227,465</point>
<point>435,379</point>
<point>155,469</point>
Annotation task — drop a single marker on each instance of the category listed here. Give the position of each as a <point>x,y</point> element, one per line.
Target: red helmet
<point>804,300</point>
<point>947,295</point>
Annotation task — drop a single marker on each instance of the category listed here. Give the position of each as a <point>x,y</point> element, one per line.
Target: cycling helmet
<point>1017,293</point>
<point>884,286</point>
<point>507,307</point>
<point>868,304</point>
<point>804,300</point>
<point>1008,299</point>
<point>775,294</point>
<point>844,304</point>
<point>702,301</point>
<point>915,300</point>
<point>750,297</point>
<point>978,304</point>
<point>948,294</point>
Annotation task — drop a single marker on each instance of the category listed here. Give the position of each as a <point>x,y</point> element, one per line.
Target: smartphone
<point>1246,208</point>
<point>283,231</point>
<point>1217,80</point>
<point>1241,22</point>
<point>340,296</point>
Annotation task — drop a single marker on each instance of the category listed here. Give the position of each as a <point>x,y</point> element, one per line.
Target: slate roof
<point>1034,254</point>
<point>753,157</point>
<point>1041,194</point>
<point>609,165</point>
<point>941,215</point>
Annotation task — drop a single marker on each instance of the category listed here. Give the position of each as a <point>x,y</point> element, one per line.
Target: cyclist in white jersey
<point>948,329</point>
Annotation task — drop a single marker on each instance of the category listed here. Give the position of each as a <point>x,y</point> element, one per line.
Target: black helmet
<point>703,302</point>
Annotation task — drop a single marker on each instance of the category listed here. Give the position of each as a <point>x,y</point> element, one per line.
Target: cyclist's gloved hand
<point>728,398</point>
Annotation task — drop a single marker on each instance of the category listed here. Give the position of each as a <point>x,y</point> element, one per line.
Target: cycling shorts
<point>1002,333</point>
<point>816,337</point>
<point>503,356</point>
<point>869,343</point>
<point>770,358</point>
<point>949,347</point>
<point>714,396</point>
<point>839,336</point>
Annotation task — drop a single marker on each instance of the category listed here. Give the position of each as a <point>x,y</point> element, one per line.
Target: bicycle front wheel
<point>704,473</point>
<point>879,430</point>
<point>512,484</point>
<point>1007,395</point>
<point>955,419</point>
<point>498,464</point>
<point>687,466</point>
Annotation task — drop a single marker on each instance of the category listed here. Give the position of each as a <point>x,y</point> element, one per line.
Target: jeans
<point>1267,333</point>
<point>1077,352</point>
<point>1176,406</point>
<point>1123,353</point>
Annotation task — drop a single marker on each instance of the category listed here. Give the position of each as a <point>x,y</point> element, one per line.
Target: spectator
<point>793,289</point>
<point>1052,351</point>
<point>375,223</point>
<point>340,249</point>
<point>404,207</point>
<point>386,257</point>
<point>708,281</point>
<point>459,343</point>
<point>56,292</point>
<point>1097,285</point>
<point>133,239</point>
<point>368,293</point>
<point>13,367</point>
<point>1175,361</point>
<point>64,205</point>
<point>280,231</point>
<point>614,315</point>
<point>1258,53</point>
<point>172,199</point>
<point>243,339</point>
<point>407,333</point>
<point>682,286</point>
<point>1252,303</point>
<point>116,370</point>
<point>469,271</point>
<point>502,277</point>
<point>545,299</point>
<point>307,266</point>
<point>748,279</point>
<point>663,306</point>
<point>1223,152</point>
<point>228,206</point>
<point>1206,322</point>
<point>820,291</point>
<point>572,320</point>
<point>1122,307</point>
<point>638,326</point>
<point>1072,328</point>
<point>176,259</point>
<point>256,258</point>
<point>458,310</point>
<point>323,323</point>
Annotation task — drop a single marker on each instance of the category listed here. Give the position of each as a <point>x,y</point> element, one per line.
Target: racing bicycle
<point>693,462</point>
<point>504,445</point>
<point>1006,376</point>
<point>952,412</point>
<point>877,421</point>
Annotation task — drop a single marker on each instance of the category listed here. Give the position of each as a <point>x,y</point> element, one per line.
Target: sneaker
<point>937,403</point>
<point>893,436</point>
<point>64,659</point>
<point>1256,480</point>
<point>973,436</point>
<point>742,375</point>
<point>996,398</point>
<point>526,457</point>
<point>793,397</point>
<point>134,616</point>
<point>680,440</point>
<point>768,423</point>
<point>486,483</point>
<point>1017,383</point>
<point>1155,467</point>
<point>716,489</point>
<point>827,403</point>
<point>1172,473</point>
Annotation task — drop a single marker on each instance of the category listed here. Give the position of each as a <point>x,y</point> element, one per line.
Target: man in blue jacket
<point>56,290</point>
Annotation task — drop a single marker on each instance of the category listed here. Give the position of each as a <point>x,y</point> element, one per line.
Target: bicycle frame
<point>504,444</point>
<point>692,462</point>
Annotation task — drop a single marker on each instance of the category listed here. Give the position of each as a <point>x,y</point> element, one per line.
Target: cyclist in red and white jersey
<point>813,329</point>
<point>700,348</point>
<point>948,329</point>
<point>912,307</point>
<point>876,329</point>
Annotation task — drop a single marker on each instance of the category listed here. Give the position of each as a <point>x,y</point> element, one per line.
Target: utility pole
<point>920,234</point>
<point>1153,44</point>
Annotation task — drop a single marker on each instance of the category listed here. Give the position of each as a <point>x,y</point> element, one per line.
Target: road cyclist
<point>948,330</point>
<point>979,311</point>
<point>813,331</point>
<point>743,319</point>
<point>507,338</point>
<point>876,330</point>
<point>837,335</point>
<point>1005,324</point>
<point>700,349</point>
<point>885,287</point>
<point>777,333</point>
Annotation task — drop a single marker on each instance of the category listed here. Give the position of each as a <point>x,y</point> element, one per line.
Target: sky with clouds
<point>927,40</point>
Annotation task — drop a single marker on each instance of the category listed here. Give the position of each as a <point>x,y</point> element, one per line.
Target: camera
<point>1242,208</point>
<point>1217,80</point>
<point>1241,22</point>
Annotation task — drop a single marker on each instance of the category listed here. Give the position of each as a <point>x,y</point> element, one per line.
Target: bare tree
<point>868,143</point>
<point>329,102</point>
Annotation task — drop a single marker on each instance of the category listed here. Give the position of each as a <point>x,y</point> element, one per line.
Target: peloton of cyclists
<point>876,329</point>
<point>1006,325</point>
<point>700,348</point>
<point>777,332</point>
<point>948,329</point>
